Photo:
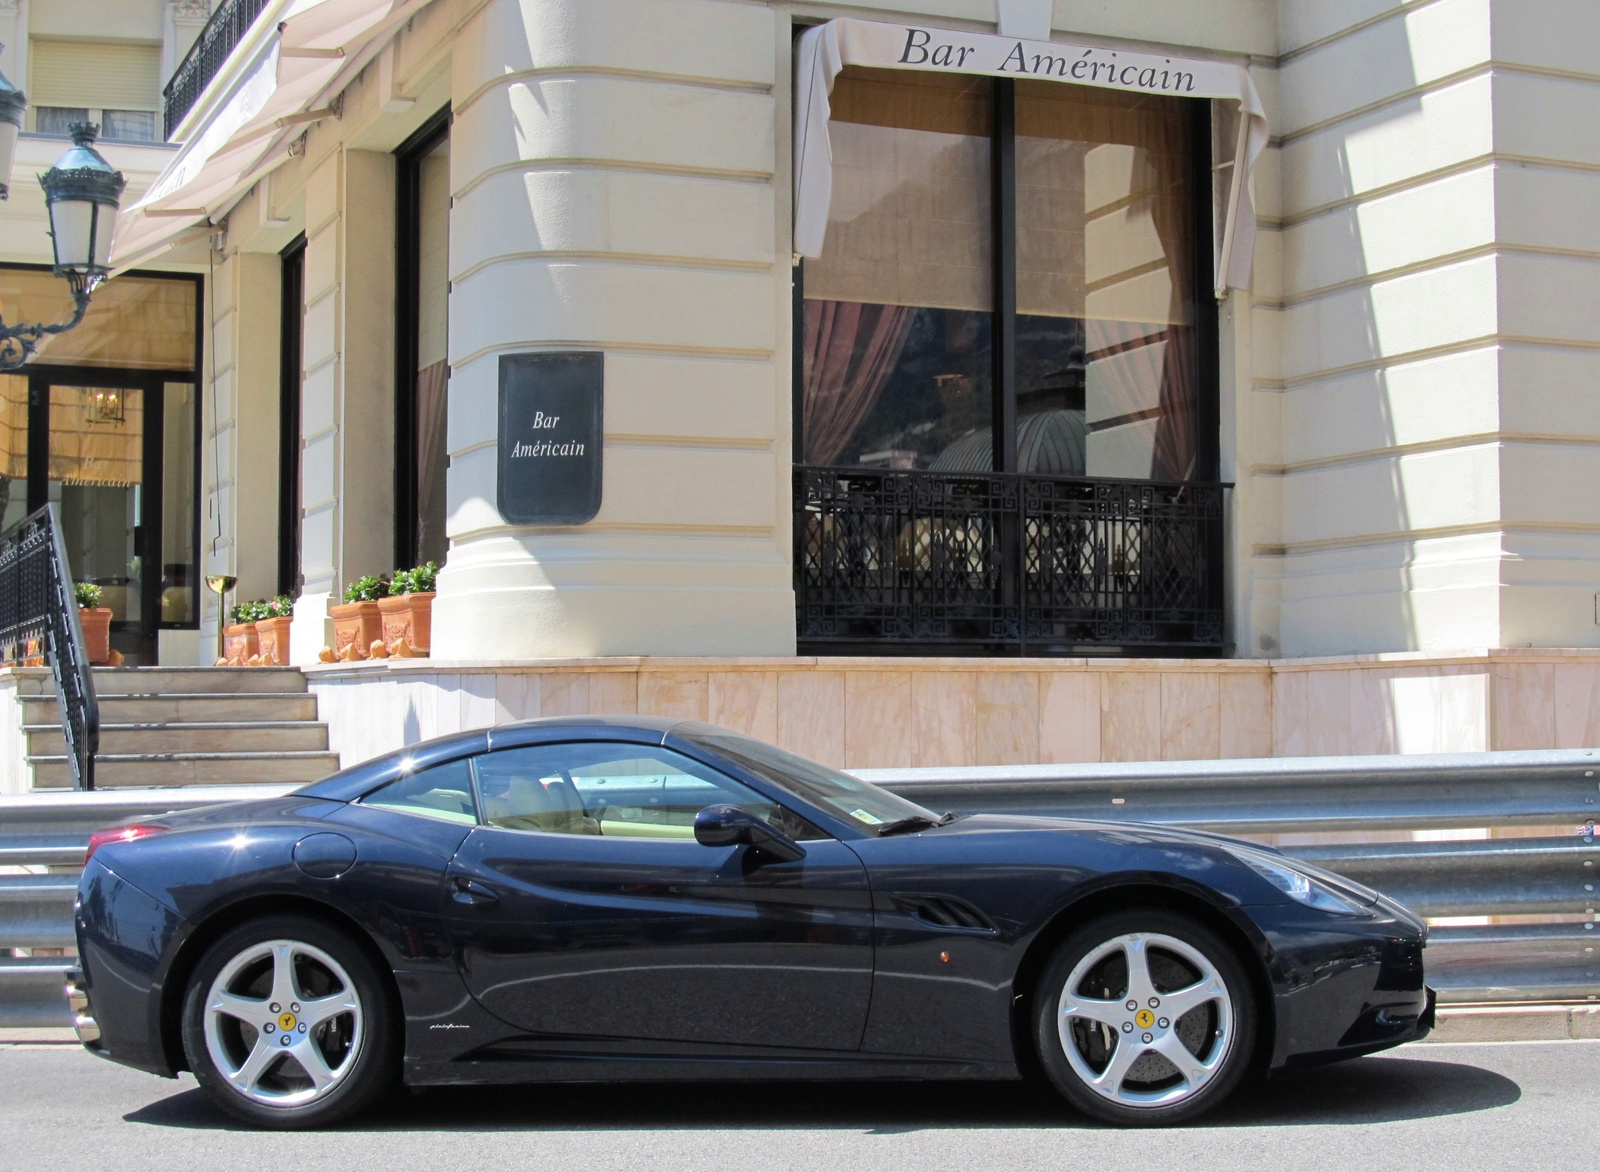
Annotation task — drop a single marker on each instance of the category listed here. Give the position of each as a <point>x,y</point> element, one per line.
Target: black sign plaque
<point>550,437</point>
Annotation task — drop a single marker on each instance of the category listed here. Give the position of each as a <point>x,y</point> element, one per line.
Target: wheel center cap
<point>1144,1019</point>
<point>287,1022</point>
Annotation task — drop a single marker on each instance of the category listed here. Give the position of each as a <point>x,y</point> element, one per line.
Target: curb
<point>1516,1023</point>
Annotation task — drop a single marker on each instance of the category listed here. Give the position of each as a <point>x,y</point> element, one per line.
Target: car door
<point>584,908</point>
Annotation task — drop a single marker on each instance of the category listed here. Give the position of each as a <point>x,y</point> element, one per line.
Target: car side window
<point>612,790</point>
<point>442,791</point>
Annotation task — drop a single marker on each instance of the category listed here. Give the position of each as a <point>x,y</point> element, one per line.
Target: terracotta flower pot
<point>356,624</point>
<point>239,643</point>
<point>408,617</point>
<point>273,637</point>
<point>96,623</point>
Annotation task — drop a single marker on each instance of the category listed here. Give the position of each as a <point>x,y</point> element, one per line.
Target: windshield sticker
<point>869,819</point>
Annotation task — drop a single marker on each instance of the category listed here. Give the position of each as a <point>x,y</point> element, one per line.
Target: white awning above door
<point>316,50</point>
<point>826,49</point>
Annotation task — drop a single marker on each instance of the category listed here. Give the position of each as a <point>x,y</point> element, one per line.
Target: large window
<point>1017,251</point>
<point>422,366</point>
<point>112,83</point>
<point>1005,374</point>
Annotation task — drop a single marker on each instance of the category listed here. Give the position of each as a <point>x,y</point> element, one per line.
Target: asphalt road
<point>1433,1107</point>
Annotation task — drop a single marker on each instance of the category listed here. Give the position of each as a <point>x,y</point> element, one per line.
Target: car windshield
<point>850,798</point>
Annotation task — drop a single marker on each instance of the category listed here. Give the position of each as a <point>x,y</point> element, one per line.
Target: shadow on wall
<point>1348,577</point>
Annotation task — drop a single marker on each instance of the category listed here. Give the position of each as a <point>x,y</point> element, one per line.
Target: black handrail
<point>39,624</point>
<point>220,36</point>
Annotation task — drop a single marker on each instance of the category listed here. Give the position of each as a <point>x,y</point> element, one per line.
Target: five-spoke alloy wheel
<point>287,1024</point>
<point>1145,1017</point>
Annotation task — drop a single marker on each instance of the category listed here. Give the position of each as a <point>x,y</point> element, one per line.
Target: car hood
<point>1147,835</point>
<point>1119,832</point>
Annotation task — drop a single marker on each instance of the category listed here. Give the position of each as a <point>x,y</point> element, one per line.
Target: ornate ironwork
<point>220,36</point>
<point>1003,563</point>
<point>39,625</point>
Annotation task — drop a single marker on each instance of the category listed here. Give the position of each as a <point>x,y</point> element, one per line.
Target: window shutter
<point>100,75</point>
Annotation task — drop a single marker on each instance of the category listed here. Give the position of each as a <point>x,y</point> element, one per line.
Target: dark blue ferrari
<point>601,899</point>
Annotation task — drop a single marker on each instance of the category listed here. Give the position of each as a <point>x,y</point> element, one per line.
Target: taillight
<point>121,834</point>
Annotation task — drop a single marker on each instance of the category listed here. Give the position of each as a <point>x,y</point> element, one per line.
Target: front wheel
<point>1145,1018</point>
<point>287,1024</point>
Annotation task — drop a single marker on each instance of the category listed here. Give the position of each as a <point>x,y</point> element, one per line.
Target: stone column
<point>612,163</point>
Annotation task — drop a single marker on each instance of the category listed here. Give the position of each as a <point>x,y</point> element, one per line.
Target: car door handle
<point>471,891</point>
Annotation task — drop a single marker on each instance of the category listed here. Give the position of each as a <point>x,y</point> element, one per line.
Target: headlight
<point>1298,886</point>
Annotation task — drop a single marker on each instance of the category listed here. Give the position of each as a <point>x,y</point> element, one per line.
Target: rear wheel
<point>288,1024</point>
<point>1145,1018</point>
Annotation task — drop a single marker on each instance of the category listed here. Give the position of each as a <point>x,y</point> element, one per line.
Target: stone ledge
<point>1517,1023</point>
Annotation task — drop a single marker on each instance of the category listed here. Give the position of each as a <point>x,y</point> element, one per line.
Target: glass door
<point>95,450</point>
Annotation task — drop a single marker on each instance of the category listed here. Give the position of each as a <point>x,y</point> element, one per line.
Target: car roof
<point>349,784</point>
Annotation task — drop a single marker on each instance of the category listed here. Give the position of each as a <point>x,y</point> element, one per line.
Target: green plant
<point>249,612</point>
<point>281,607</point>
<point>417,580</point>
<point>368,589</point>
<point>87,594</point>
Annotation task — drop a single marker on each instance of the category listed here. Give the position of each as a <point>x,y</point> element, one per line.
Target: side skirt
<point>514,1066</point>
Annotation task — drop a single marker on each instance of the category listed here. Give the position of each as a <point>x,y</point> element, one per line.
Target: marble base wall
<point>867,713</point>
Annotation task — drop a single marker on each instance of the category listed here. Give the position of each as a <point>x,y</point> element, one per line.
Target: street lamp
<point>82,193</point>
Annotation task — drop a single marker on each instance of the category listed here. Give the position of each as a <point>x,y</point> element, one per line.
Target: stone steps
<point>114,770</point>
<point>178,708</point>
<point>181,726</point>
<point>190,736</point>
<point>161,681</point>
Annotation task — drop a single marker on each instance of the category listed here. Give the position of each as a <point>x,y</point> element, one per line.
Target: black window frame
<point>407,316</point>
<point>291,379</point>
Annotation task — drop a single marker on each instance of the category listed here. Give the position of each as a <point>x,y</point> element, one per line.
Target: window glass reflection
<point>1105,328</point>
<point>897,358</point>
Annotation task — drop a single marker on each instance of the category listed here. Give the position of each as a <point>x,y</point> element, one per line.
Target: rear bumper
<point>83,1022</point>
<point>123,937</point>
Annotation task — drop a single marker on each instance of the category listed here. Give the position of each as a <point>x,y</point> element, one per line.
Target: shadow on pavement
<point>1369,1090</point>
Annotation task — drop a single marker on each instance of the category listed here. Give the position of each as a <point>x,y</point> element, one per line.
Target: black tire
<point>1136,1101</point>
<point>369,1053</point>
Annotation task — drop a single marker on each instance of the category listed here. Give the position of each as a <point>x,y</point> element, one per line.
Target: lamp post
<point>82,193</point>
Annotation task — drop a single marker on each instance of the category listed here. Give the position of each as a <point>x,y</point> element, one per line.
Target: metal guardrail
<point>1553,877</point>
<point>52,830</point>
<point>39,623</point>
<point>1550,877</point>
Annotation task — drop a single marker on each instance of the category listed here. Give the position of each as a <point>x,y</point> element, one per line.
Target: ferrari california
<point>624,898</point>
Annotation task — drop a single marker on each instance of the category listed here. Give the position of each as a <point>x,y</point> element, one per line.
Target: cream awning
<point>316,50</point>
<point>825,50</point>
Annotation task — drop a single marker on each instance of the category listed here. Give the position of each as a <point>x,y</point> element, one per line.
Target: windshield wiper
<point>915,822</point>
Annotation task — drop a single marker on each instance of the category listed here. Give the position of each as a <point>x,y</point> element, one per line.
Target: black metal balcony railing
<point>1003,563</point>
<point>222,34</point>
<point>39,625</point>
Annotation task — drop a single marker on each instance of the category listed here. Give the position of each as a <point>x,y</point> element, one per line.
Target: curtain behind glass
<point>134,323</point>
<point>1106,339</point>
<point>896,364</point>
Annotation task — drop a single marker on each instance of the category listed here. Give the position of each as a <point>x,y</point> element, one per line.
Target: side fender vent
<point>945,911</point>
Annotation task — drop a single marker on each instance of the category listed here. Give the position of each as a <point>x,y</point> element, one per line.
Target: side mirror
<point>731,826</point>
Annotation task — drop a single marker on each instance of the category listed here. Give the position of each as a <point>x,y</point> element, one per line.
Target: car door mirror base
<point>725,825</point>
